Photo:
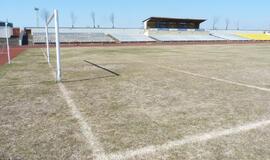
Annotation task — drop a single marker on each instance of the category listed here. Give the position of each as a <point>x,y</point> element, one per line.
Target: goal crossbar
<point>57,43</point>
<point>50,19</point>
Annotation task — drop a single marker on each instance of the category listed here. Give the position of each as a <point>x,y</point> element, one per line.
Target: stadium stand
<point>181,35</point>
<point>109,35</point>
<point>73,38</point>
<point>228,36</point>
<point>254,36</point>
<point>128,35</point>
<point>131,37</point>
<point>12,41</point>
<point>167,38</point>
<point>87,30</point>
<point>90,35</point>
<point>167,31</point>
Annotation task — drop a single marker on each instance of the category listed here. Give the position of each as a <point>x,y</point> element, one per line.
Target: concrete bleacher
<point>255,36</point>
<point>167,38</point>
<point>166,31</point>
<point>128,35</point>
<point>228,36</point>
<point>69,35</point>
<point>131,37</point>
<point>108,35</point>
<point>12,41</point>
<point>88,30</point>
<point>73,38</point>
<point>167,35</point>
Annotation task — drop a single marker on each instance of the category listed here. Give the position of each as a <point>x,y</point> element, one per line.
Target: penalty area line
<point>217,79</point>
<point>86,130</point>
<point>155,149</point>
<point>211,78</point>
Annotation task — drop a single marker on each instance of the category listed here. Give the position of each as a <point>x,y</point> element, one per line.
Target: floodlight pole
<point>57,43</point>
<point>47,43</point>
<point>37,17</point>
<point>8,49</point>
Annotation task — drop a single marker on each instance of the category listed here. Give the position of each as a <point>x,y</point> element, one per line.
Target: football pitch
<point>138,103</point>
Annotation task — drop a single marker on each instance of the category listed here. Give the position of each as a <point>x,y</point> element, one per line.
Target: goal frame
<point>54,17</point>
<point>7,41</point>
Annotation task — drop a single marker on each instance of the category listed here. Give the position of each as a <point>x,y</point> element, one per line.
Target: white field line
<point>92,141</point>
<point>99,153</point>
<point>216,79</point>
<point>155,149</point>
<point>212,78</point>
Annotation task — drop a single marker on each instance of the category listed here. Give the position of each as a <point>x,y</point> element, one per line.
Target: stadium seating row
<point>73,37</point>
<point>84,35</point>
<point>186,38</point>
<point>228,36</point>
<point>132,37</point>
<point>69,35</point>
<point>256,36</point>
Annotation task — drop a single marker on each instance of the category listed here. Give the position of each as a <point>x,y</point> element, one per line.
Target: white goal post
<point>57,43</point>
<point>7,40</point>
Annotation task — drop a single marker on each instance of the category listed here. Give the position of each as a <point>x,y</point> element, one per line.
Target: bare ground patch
<point>147,105</point>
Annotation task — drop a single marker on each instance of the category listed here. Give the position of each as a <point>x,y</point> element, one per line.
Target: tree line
<point>73,18</point>
<point>227,23</point>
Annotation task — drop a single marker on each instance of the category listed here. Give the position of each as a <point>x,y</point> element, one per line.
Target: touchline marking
<point>217,79</point>
<point>154,149</point>
<point>92,141</point>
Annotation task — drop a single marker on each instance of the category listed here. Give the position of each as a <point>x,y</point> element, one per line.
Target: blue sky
<point>251,14</point>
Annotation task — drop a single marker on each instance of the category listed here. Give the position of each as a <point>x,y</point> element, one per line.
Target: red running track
<point>13,53</point>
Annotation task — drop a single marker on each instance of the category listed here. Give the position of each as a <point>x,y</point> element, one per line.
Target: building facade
<point>172,23</point>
